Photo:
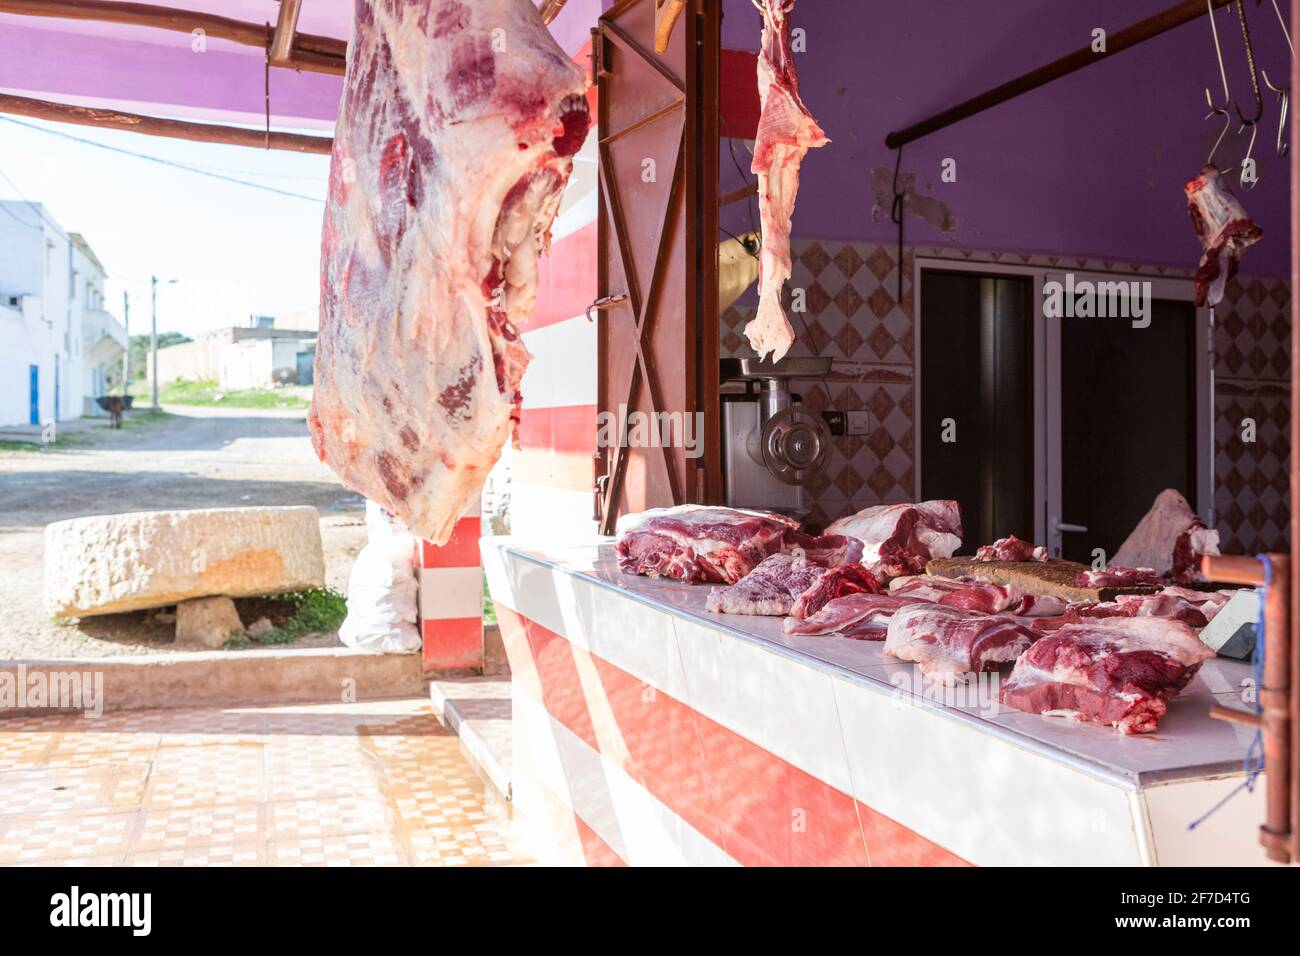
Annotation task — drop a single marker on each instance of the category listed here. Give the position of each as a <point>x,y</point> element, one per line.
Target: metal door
<point>657,252</point>
<point>34,387</point>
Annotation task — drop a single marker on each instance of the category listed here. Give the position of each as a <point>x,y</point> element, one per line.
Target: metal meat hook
<point>1283,92</point>
<point>1253,122</point>
<point>1223,78</point>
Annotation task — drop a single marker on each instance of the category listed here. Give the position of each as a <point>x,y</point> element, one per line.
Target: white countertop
<point>1188,745</point>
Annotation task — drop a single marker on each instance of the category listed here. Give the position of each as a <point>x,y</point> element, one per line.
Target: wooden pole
<point>1117,42</point>
<point>286,28</point>
<point>153,126</point>
<point>317,54</point>
<point>551,9</point>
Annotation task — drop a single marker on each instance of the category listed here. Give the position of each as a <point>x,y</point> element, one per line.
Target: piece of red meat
<point>786,131</point>
<point>698,543</point>
<point>951,645</point>
<point>771,588</point>
<point>900,539</point>
<point>451,152</point>
<point>1224,229</point>
<point>1119,671</point>
<point>835,583</point>
<point>1170,539</point>
<point>862,616</point>
<point>1117,576</point>
<point>1011,548</point>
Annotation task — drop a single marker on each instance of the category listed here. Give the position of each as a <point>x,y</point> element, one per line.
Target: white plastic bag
<point>383,589</point>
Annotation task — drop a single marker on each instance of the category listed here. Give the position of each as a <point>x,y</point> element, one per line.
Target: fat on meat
<point>1170,539</point>
<point>1117,576</point>
<point>786,131</point>
<point>1118,671</point>
<point>950,644</point>
<point>861,617</point>
<point>900,539</point>
<point>698,543</point>
<point>455,138</point>
<point>1225,232</point>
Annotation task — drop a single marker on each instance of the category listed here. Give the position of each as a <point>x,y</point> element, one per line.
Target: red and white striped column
<point>451,599</point>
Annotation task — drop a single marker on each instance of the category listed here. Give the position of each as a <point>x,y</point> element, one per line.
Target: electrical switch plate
<point>859,423</point>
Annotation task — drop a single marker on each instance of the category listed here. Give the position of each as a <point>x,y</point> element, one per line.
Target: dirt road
<point>197,458</point>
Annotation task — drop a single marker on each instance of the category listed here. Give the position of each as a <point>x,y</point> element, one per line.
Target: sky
<point>235,250</point>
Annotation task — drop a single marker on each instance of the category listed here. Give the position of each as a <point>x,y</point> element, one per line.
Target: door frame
<point>1162,287</point>
<point>920,264</point>
<point>1047,378</point>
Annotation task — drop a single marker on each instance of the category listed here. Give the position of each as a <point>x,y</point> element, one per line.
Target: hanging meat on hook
<point>455,140</point>
<point>786,131</point>
<point>1225,232</point>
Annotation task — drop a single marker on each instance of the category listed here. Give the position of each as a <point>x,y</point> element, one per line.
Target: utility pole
<point>126,360</point>
<point>153,339</point>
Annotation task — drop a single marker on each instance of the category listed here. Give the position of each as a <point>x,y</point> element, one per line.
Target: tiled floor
<point>380,782</point>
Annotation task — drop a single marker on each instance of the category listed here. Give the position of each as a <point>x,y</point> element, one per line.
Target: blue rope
<point>1254,762</point>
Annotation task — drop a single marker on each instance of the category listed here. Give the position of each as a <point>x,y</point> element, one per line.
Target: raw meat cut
<point>454,142</point>
<point>901,538</point>
<point>929,587</point>
<point>771,588</point>
<point>829,550</point>
<point>951,644</point>
<point>1225,232</point>
<point>1117,671</point>
<point>696,543</point>
<point>1117,576</point>
<point>835,583</point>
<point>993,598</point>
<point>1209,603</point>
<point>1011,548</point>
<point>859,617</point>
<point>786,131</point>
<point>1170,539</point>
<point>1164,605</point>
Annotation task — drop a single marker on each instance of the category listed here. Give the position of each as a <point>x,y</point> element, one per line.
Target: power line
<point>163,162</point>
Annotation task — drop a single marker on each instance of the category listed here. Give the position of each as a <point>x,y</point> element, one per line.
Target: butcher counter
<point>649,731</point>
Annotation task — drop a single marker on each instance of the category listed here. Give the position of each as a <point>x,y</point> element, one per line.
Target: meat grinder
<point>773,444</point>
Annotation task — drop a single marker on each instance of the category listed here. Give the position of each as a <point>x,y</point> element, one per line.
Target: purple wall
<point>1093,164</point>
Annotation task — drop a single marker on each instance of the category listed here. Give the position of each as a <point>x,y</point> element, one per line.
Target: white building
<point>51,313</point>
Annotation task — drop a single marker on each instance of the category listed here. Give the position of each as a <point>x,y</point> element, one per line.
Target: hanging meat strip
<point>1224,229</point>
<point>786,131</point>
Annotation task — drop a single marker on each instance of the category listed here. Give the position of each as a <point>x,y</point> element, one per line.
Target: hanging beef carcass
<point>1224,229</point>
<point>1170,540</point>
<point>455,139</point>
<point>786,131</point>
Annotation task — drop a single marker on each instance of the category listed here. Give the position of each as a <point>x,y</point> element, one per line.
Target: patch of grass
<point>184,392</point>
<point>319,610</point>
<point>489,609</point>
<point>63,440</point>
<point>139,418</point>
<point>20,446</point>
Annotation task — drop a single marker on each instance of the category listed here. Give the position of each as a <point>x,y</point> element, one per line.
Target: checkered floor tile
<point>367,784</point>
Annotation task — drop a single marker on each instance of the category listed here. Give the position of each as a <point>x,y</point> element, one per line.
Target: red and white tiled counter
<point>647,731</point>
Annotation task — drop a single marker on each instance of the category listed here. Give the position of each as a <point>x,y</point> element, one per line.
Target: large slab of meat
<point>859,617</point>
<point>455,139</point>
<point>951,644</point>
<point>786,131</point>
<point>1170,540</point>
<point>900,539</point>
<point>995,598</point>
<point>699,544</point>
<point>1225,232</point>
<point>1119,671</point>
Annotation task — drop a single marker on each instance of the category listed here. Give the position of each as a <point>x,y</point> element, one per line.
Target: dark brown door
<point>658,349</point>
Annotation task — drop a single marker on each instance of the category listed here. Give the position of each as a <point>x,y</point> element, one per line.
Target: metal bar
<point>1293,645</point>
<point>1117,42</point>
<point>1233,570</point>
<point>551,9</point>
<point>736,195</point>
<point>286,28</point>
<point>153,126</point>
<point>317,54</point>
